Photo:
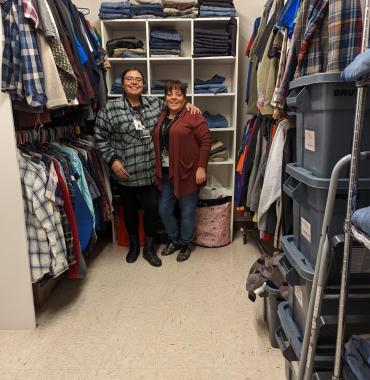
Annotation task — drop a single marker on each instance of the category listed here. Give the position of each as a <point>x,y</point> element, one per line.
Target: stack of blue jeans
<point>216,8</point>
<point>215,85</point>
<point>215,121</point>
<point>165,42</point>
<point>216,42</point>
<point>110,10</point>
<point>146,9</point>
<point>159,86</point>
<point>211,42</point>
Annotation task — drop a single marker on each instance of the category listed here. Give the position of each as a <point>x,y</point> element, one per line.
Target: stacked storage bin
<point>325,110</point>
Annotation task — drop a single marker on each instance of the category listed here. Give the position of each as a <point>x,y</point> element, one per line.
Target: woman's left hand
<point>200,176</point>
<point>193,109</point>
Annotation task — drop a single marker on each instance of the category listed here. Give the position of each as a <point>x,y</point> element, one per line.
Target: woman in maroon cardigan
<point>182,143</point>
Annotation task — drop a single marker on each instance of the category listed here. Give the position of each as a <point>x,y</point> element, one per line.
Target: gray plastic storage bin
<point>273,323</point>
<point>290,342</point>
<point>325,111</point>
<point>291,372</point>
<point>299,273</point>
<point>309,193</point>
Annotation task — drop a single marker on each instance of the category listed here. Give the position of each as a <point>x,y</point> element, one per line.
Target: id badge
<point>165,160</point>
<point>145,134</point>
<point>138,125</point>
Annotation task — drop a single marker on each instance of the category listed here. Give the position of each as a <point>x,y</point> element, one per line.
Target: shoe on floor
<point>184,254</point>
<point>134,249</point>
<point>149,253</point>
<point>171,248</point>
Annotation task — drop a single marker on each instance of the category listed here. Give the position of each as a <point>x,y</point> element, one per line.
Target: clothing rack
<point>349,229</point>
<point>41,134</point>
<point>311,334</point>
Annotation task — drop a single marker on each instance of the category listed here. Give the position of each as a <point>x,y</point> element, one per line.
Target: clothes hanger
<point>84,11</point>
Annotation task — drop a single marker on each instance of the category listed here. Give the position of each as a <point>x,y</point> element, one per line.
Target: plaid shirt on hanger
<point>22,74</point>
<point>46,242</point>
<point>316,12</point>
<point>116,138</point>
<point>345,33</point>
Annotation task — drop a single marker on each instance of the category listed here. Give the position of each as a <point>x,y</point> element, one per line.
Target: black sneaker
<point>171,248</point>
<point>184,254</point>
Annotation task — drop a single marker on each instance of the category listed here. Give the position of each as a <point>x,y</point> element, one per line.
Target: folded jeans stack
<point>117,88</point>
<point>159,86</point>
<point>181,8</point>
<point>146,9</point>
<point>218,152</point>
<point>216,42</point>
<point>215,85</point>
<point>110,11</point>
<point>165,42</point>
<point>117,46</point>
<point>215,121</point>
<point>216,8</point>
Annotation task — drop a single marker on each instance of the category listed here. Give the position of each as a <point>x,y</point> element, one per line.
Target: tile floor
<point>188,321</point>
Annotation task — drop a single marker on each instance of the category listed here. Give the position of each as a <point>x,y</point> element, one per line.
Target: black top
<point>165,132</point>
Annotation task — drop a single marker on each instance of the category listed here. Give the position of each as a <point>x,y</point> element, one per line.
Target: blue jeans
<point>215,121</point>
<point>113,5</point>
<point>187,204</point>
<point>216,79</point>
<point>167,35</point>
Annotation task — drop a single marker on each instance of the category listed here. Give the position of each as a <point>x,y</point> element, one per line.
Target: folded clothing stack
<point>110,11</point>
<point>146,9</point>
<point>181,8</point>
<point>216,8</point>
<point>215,85</point>
<point>123,46</point>
<point>165,42</point>
<point>218,152</point>
<point>159,86</point>
<point>117,87</point>
<point>216,42</point>
<point>361,220</point>
<point>215,121</point>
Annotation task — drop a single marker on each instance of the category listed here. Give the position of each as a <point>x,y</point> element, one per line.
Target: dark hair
<point>175,85</point>
<point>132,69</point>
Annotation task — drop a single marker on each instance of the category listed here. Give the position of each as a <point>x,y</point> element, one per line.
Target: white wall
<point>16,299</point>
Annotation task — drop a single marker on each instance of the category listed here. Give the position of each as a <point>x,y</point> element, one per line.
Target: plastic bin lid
<point>305,176</point>
<point>315,79</point>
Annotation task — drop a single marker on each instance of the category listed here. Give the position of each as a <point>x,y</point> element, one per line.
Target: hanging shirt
<point>22,74</point>
<point>78,174</point>
<point>46,243</point>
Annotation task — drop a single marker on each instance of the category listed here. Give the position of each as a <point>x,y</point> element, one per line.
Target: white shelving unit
<point>186,68</point>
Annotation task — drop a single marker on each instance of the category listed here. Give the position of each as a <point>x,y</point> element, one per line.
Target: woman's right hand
<point>118,170</point>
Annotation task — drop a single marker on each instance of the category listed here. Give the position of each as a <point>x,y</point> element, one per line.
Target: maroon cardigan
<point>189,146</point>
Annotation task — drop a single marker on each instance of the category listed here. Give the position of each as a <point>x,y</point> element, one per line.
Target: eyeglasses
<point>134,80</point>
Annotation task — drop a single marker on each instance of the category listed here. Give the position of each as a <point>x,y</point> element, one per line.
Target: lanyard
<point>165,130</point>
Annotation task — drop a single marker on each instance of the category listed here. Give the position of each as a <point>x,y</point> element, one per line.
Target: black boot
<point>149,253</point>
<point>134,249</point>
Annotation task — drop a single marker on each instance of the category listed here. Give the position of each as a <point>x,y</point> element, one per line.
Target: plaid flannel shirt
<point>22,74</point>
<point>316,13</point>
<point>116,138</point>
<point>46,242</point>
<point>345,33</point>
